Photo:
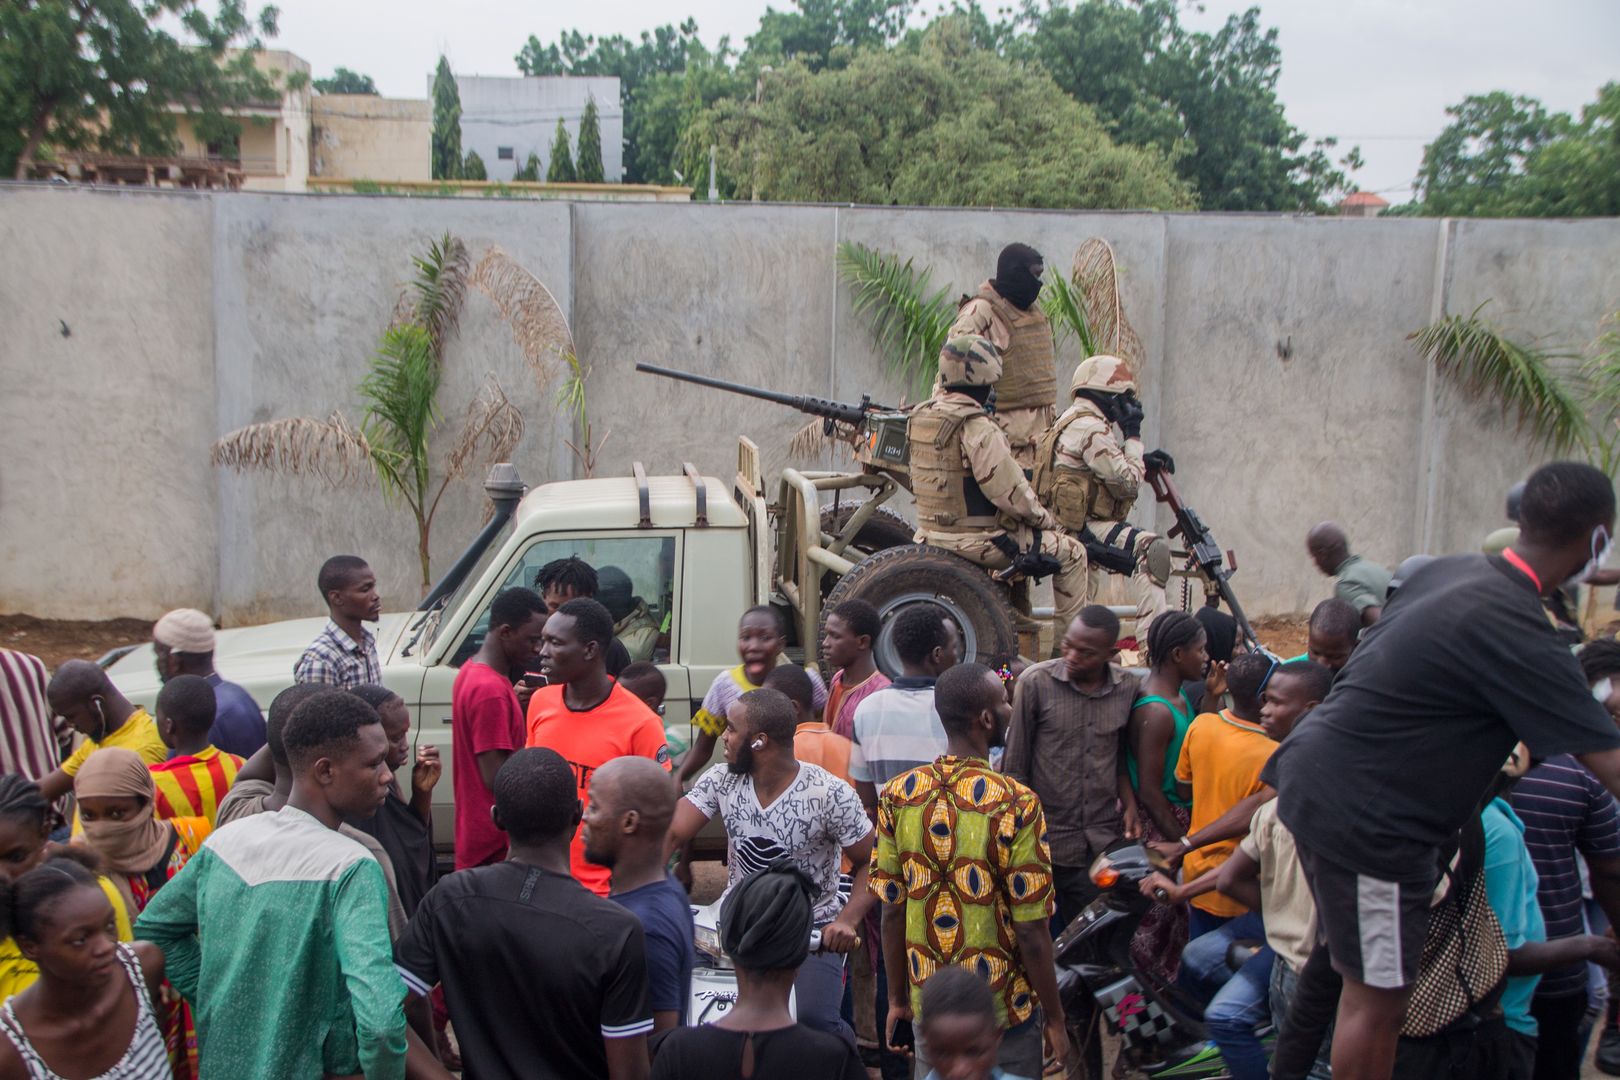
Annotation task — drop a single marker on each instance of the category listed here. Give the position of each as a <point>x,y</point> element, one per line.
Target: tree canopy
<point>447,163</point>
<point>344,81</point>
<point>590,146</point>
<point>560,170</point>
<point>102,75</point>
<point>1507,156</point>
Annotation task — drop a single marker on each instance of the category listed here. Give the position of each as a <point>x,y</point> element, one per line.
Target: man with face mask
<point>1007,311</point>
<point>972,497</point>
<point>1464,666</point>
<point>81,693</point>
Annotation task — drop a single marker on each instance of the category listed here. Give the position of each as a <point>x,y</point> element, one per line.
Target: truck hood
<point>259,658</point>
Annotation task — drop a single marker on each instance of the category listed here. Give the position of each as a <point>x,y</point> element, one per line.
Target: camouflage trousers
<point>1068,584</point>
<point>1024,428</point>
<point>1148,586</point>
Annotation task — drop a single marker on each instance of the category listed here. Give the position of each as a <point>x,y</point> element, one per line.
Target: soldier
<point>1005,311</point>
<point>972,498</point>
<point>1089,480</point>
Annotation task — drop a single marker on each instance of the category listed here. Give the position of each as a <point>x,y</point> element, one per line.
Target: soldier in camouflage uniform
<point>972,498</point>
<point>1005,310</point>
<point>1089,479</point>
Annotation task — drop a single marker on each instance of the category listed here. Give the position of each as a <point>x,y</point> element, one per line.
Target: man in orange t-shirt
<point>585,715</point>
<point>813,740</point>
<point>194,779</point>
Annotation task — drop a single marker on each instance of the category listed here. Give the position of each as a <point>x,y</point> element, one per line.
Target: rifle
<point>1201,544</point>
<point>831,411</point>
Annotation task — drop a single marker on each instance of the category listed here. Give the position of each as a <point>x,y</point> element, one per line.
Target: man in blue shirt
<point>183,644</point>
<point>632,802</point>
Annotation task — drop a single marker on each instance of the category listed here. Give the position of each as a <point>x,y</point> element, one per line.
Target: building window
<point>503,153</point>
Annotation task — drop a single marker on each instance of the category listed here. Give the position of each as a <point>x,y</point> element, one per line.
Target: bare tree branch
<point>331,449</point>
<point>538,324</point>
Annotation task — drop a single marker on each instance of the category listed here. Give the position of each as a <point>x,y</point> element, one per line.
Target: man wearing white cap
<point>183,642</point>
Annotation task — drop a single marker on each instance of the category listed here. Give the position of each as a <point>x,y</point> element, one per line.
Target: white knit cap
<point>185,630</point>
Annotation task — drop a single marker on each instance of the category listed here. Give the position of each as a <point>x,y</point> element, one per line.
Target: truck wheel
<point>887,529</point>
<point>899,577</point>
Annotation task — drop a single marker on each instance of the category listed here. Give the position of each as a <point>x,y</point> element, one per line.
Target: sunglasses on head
<point>1273,662</point>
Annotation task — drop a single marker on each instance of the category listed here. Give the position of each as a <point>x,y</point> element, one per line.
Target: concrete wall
<point>522,113</point>
<point>366,137</point>
<point>1278,370</point>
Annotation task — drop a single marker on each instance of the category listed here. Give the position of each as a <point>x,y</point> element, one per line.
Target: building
<point>505,119</point>
<point>272,150</point>
<point>366,137</point>
<point>1363,204</point>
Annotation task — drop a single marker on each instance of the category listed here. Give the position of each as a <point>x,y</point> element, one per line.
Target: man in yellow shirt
<point>81,693</point>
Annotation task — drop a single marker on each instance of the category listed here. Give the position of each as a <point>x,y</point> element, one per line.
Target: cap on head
<point>969,360</point>
<point>1104,374</point>
<point>185,630</point>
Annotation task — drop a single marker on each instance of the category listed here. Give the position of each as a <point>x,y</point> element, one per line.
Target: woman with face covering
<point>94,1010</point>
<point>1006,310</point>
<point>140,854</point>
<point>23,816</point>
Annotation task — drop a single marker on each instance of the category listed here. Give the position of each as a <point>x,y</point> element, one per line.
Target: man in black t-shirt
<point>543,979</point>
<point>1462,665</point>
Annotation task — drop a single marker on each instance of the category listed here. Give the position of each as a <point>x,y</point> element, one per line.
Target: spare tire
<point>899,577</point>
<point>886,529</point>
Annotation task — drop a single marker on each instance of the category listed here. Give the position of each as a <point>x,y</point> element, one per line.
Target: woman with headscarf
<point>1006,310</point>
<point>140,853</point>
<point>765,923</point>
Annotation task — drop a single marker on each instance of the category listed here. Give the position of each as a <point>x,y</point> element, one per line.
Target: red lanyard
<point>1523,567</point>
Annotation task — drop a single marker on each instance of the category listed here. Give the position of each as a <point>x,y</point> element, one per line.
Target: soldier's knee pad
<point>1156,561</point>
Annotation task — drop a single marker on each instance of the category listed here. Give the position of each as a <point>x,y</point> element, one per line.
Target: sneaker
<point>1607,1058</point>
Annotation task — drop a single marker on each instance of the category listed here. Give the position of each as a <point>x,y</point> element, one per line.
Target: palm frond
<point>433,299</point>
<point>329,449</point>
<point>400,393</point>
<point>1064,310</point>
<point>1486,365</point>
<point>538,324</point>
<point>1095,277</point>
<point>908,322</point>
<point>490,430</point>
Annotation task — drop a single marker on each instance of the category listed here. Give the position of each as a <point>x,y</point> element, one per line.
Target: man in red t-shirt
<point>486,721</point>
<point>585,715</point>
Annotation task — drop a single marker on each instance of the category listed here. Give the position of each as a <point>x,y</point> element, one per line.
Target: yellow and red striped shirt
<point>192,785</point>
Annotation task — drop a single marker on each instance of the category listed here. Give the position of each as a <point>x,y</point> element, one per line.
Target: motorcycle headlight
<point>1103,873</point>
<point>707,940</point>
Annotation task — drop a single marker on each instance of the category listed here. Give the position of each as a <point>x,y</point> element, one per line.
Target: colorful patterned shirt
<point>728,686</point>
<point>964,848</point>
<point>334,658</point>
<point>192,785</point>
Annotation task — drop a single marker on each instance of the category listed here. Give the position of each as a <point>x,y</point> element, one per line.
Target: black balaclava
<point>1015,277</point>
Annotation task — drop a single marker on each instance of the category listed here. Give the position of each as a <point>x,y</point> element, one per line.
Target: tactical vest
<point>948,497</point>
<point>1074,496</point>
<point>1029,364</point>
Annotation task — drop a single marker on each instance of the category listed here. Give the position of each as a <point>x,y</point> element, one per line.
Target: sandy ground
<point>56,640</point>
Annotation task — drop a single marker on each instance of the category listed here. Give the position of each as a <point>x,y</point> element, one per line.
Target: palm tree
<point>908,322</point>
<point>401,416</point>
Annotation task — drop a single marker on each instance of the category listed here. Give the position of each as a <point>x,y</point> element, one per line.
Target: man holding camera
<point>1089,478</point>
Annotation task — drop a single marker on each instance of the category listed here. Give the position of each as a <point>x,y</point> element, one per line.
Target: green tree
<point>344,81</point>
<point>561,168</point>
<point>446,124</point>
<point>1505,156</point>
<point>590,145</point>
<point>530,170</point>
<point>822,32</point>
<point>105,75</point>
<point>1208,100</point>
<point>473,167</point>
<point>664,107</point>
<point>944,124</point>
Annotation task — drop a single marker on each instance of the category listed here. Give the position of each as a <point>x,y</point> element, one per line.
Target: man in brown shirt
<point>1067,742</point>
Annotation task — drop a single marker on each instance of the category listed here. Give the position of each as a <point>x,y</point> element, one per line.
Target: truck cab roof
<point>614,502</point>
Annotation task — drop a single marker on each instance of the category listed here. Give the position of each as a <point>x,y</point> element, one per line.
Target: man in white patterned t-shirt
<point>776,807</point>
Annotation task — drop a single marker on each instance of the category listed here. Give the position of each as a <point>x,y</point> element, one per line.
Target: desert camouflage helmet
<point>969,360</point>
<point>1107,374</point>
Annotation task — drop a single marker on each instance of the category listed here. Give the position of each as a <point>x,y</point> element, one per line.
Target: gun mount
<point>877,432</point>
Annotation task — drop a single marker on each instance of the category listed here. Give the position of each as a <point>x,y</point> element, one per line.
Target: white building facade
<point>505,119</point>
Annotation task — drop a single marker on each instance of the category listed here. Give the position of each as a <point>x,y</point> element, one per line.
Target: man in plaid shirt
<point>345,652</point>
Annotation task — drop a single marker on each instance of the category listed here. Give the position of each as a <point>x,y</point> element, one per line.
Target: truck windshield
<point>456,599</point>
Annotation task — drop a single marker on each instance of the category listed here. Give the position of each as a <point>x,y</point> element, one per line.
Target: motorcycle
<point>1161,1027</point>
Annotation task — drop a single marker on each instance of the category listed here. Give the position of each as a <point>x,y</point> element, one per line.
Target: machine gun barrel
<point>1206,552</point>
<point>838,411</point>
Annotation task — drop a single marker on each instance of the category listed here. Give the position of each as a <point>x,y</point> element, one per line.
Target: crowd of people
<point>1396,854</point>
<point>900,852</point>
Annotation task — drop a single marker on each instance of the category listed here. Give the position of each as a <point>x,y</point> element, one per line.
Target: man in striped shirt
<point>196,776</point>
<point>33,740</point>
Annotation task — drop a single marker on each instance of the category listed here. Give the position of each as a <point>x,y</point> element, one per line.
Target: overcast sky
<point>1378,73</point>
